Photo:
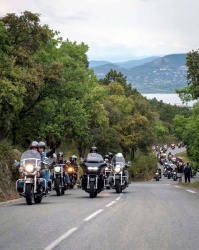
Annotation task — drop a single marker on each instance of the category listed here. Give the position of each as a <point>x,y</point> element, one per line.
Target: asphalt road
<point>146,216</point>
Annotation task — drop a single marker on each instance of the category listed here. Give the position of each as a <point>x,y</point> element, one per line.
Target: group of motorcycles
<point>98,174</point>
<point>32,186</point>
<point>169,163</point>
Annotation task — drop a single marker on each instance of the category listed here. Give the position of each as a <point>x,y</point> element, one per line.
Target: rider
<point>45,172</point>
<point>73,163</point>
<point>60,160</point>
<point>34,147</point>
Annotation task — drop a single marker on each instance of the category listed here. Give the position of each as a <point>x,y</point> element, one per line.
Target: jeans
<point>45,173</point>
<point>67,178</point>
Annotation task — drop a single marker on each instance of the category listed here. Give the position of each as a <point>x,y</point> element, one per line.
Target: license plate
<point>92,179</point>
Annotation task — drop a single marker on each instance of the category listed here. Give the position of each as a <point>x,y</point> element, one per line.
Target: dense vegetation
<point>48,92</point>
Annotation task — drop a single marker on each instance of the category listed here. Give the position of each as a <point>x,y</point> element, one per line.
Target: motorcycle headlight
<point>57,169</point>
<point>93,168</point>
<point>174,172</point>
<point>70,170</point>
<point>29,168</point>
<point>106,168</point>
<point>117,169</point>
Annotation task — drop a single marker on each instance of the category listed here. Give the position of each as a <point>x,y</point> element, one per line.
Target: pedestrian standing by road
<point>187,172</point>
<point>180,171</point>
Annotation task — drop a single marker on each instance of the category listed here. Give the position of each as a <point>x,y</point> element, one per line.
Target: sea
<point>172,99</point>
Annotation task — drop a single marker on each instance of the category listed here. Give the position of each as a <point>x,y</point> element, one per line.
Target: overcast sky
<point>118,30</point>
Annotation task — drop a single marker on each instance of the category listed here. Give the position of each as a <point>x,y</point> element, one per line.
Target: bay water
<point>172,99</point>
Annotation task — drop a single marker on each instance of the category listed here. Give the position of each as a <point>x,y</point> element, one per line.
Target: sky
<point>119,30</point>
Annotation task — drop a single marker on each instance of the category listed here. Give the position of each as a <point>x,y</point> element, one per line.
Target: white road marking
<point>60,239</point>
<point>177,186</point>
<point>110,204</point>
<point>93,215</point>
<point>168,184</point>
<point>191,191</point>
<point>118,199</point>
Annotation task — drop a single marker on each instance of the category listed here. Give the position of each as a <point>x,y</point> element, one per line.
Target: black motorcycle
<point>107,175</point>
<point>30,185</point>
<point>59,179</point>
<point>174,175</point>
<point>72,173</point>
<point>93,179</point>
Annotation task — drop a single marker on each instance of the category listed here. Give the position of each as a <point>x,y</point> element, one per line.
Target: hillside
<point>161,75</point>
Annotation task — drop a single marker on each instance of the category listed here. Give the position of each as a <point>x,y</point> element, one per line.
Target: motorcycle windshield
<point>31,154</point>
<point>30,160</point>
<point>94,158</point>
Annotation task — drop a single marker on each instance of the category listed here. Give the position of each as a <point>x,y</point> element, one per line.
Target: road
<point>146,216</point>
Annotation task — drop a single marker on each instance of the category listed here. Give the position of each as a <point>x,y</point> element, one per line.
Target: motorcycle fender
<point>29,180</point>
<point>117,177</point>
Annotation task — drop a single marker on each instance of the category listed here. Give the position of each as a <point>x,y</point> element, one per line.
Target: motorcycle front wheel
<point>92,190</point>
<point>29,194</point>
<point>118,187</point>
<point>57,186</point>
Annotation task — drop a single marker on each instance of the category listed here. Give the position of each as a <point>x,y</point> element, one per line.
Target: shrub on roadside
<point>143,166</point>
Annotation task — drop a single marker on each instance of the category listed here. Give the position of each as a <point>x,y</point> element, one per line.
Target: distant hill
<point>134,63</point>
<point>161,75</point>
<point>93,64</point>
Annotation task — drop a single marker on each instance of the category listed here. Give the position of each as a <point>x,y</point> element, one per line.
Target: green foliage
<point>191,135</point>
<point>179,124</point>
<point>143,166</point>
<point>191,91</point>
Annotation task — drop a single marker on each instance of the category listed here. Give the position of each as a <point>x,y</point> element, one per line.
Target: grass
<point>191,184</point>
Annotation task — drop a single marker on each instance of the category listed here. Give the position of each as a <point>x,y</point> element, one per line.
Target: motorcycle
<point>174,175</point>
<point>59,179</point>
<point>30,185</point>
<point>193,173</point>
<point>157,176</point>
<point>93,179</point>
<point>169,175</point>
<point>120,174</point>
<point>70,169</point>
<point>107,174</point>
<point>173,146</point>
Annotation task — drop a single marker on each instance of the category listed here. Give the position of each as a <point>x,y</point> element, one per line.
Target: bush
<point>143,166</point>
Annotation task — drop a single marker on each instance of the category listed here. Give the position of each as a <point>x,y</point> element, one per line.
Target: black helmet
<point>110,155</point>
<point>42,144</point>
<point>60,154</point>
<point>93,149</point>
<point>106,157</point>
<point>34,144</point>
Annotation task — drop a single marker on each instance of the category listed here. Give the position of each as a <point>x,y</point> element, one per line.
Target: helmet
<point>42,144</point>
<point>106,157</point>
<point>34,144</point>
<point>73,158</point>
<point>110,154</point>
<point>93,149</point>
<point>60,154</point>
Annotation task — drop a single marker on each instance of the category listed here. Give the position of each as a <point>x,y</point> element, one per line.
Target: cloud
<point>119,27</point>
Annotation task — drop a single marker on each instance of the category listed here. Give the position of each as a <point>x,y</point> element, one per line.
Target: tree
<point>191,92</point>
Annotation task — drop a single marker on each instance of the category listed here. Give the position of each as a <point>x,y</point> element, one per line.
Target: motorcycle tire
<point>92,190</point>
<point>118,187</point>
<point>62,191</point>
<point>57,187</point>
<point>29,194</point>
